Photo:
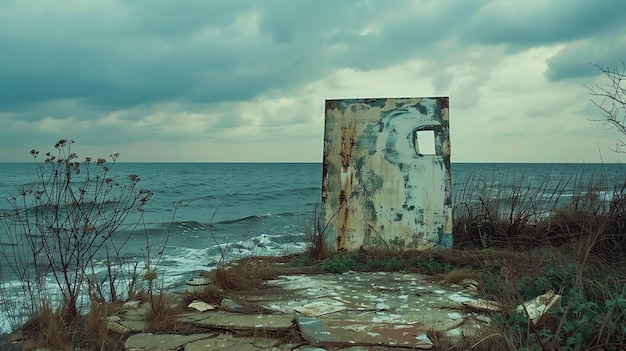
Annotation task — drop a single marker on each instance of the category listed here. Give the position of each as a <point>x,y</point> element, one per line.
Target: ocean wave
<point>189,224</point>
<point>250,218</point>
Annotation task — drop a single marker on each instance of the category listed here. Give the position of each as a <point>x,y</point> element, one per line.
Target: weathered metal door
<point>386,179</point>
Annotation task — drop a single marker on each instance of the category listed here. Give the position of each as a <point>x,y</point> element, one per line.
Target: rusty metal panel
<point>386,178</point>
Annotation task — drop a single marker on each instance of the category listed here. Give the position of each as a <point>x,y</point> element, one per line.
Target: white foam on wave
<point>184,263</point>
<point>174,267</point>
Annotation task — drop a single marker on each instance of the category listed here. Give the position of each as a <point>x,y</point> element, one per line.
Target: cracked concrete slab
<point>239,321</point>
<point>134,325</point>
<point>229,342</point>
<point>165,342</point>
<point>396,298</point>
<point>352,311</point>
<point>337,333</point>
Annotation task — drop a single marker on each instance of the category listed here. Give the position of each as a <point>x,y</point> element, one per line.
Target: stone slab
<point>320,307</point>
<point>137,312</point>
<point>313,330</point>
<point>345,332</point>
<point>118,328</point>
<point>134,326</point>
<point>238,321</point>
<point>166,342</point>
<point>228,342</point>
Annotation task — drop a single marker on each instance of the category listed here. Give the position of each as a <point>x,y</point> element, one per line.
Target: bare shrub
<point>59,226</point>
<point>611,100</point>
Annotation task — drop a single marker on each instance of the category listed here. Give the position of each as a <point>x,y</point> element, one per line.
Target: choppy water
<point>228,210</point>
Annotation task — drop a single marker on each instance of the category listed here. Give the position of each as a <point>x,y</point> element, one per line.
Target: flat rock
<point>370,299</point>
<point>238,321</point>
<point>118,328</point>
<point>114,318</point>
<point>136,313</point>
<point>320,307</point>
<point>165,342</point>
<point>337,333</point>
<point>231,305</point>
<point>228,342</point>
<point>132,304</point>
<point>134,326</point>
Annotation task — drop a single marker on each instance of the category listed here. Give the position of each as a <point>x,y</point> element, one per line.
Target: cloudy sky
<point>246,80</point>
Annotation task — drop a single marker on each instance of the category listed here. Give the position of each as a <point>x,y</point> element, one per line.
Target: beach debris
<point>197,285</point>
<point>537,307</point>
<point>484,305</point>
<point>318,308</point>
<point>201,306</point>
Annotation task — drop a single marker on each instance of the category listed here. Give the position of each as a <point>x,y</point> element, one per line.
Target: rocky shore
<point>355,311</point>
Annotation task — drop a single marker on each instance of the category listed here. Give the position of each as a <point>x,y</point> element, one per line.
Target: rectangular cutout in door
<point>378,188</point>
<point>425,142</point>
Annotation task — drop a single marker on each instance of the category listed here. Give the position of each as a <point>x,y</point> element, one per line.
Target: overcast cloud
<point>246,80</point>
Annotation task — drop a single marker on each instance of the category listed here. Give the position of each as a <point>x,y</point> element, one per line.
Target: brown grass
<point>96,327</point>
<point>599,227</point>
<point>210,294</point>
<point>250,274</point>
<point>88,332</point>
<point>318,248</point>
<point>46,330</point>
<point>461,274</point>
<point>163,313</point>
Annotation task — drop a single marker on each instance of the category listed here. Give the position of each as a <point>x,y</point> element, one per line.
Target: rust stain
<point>444,102</point>
<point>348,137</point>
<point>343,215</point>
<point>343,198</point>
<point>347,150</point>
<point>324,187</point>
<point>330,105</point>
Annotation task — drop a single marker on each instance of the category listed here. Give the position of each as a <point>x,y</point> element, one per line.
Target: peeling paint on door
<point>384,182</point>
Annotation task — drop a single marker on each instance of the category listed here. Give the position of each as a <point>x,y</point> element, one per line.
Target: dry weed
<point>460,274</point>
<point>85,332</point>
<point>163,313</point>
<point>246,275</point>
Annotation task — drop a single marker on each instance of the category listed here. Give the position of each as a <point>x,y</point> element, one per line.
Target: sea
<point>202,214</point>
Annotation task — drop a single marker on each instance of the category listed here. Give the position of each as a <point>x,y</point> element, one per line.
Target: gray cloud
<point>125,71</point>
<point>538,22</point>
<point>576,59</point>
<point>199,52</point>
